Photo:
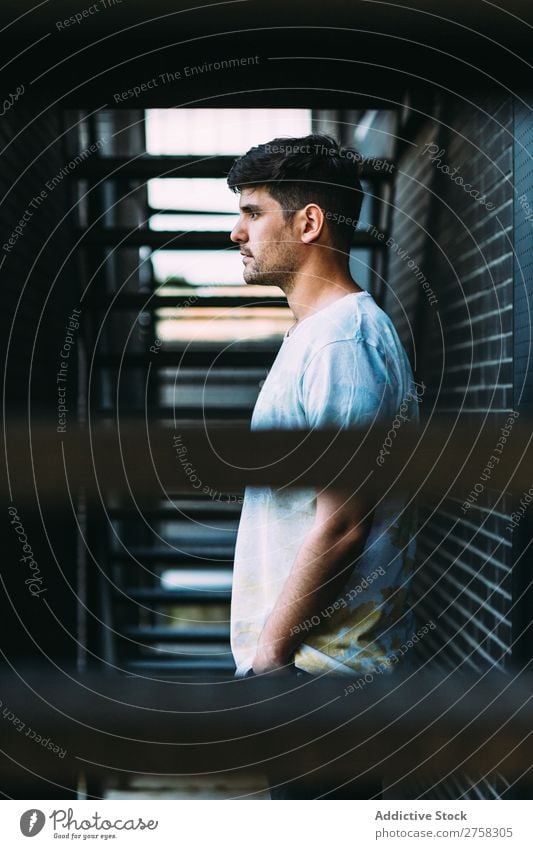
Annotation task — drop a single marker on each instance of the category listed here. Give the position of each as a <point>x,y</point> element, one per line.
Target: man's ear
<point>311,222</point>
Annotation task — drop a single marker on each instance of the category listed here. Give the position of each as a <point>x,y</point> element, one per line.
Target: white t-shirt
<point>341,366</point>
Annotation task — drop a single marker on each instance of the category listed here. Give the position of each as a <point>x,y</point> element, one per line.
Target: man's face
<point>270,248</point>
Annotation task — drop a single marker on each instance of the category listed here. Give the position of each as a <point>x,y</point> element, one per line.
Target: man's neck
<point>309,295</point>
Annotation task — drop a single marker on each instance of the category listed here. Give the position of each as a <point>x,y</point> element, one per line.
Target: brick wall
<point>462,348</point>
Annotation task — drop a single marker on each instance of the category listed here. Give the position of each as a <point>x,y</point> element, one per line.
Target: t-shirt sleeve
<point>346,384</point>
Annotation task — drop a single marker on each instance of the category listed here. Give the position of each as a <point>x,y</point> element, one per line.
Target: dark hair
<point>309,169</point>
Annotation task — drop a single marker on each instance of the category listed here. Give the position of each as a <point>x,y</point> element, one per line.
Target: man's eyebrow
<point>250,207</point>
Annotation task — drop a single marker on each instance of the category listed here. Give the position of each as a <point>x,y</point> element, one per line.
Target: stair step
<point>178,412</point>
<point>218,558</point>
<point>179,240</point>
<point>170,597</point>
<point>191,358</point>
<point>215,376</point>
<point>174,635</point>
<point>214,665</point>
<point>175,563</point>
<point>147,301</point>
<point>148,167</point>
<point>210,511</point>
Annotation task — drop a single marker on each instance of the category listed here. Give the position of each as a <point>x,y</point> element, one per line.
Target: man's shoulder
<point>364,323</point>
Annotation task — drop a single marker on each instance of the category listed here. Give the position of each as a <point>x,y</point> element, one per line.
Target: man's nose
<point>238,234</point>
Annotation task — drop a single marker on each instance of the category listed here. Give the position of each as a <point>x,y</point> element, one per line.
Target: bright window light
<point>199,268</point>
<point>220,131</point>
<point>209,195</point>
<point>193,222</point>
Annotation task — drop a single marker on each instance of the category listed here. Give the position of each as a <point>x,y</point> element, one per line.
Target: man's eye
<point>253,215</point>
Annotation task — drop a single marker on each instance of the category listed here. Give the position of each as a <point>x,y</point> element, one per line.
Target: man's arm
<point>321,568</point>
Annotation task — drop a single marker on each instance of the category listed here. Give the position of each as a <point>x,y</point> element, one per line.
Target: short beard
<point>279,270</point>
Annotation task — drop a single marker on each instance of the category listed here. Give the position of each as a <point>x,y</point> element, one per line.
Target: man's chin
<point>251,278</point>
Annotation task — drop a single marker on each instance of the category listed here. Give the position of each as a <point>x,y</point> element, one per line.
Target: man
<point>320,577</point>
